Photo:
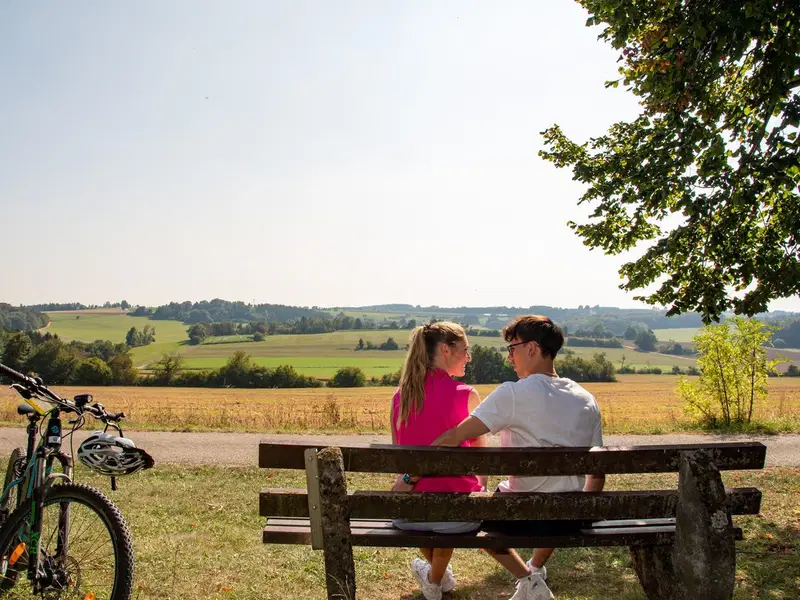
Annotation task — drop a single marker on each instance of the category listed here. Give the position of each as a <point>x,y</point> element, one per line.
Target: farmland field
<point>635,404</point>
<point>91,325</point>
<point>682,335</point>
<point>318,355</point>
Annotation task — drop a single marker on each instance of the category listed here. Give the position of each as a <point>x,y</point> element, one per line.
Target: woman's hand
<point>401,486</point>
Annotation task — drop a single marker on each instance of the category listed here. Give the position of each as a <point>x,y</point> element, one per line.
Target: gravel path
<point>240,449</point>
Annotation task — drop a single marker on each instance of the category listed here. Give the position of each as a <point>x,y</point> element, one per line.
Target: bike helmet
<point>113,456</point>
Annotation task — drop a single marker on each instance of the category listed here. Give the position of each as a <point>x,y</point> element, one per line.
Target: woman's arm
<point>399,485</point>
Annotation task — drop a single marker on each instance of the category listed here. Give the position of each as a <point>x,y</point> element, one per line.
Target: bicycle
<point>68,539</point>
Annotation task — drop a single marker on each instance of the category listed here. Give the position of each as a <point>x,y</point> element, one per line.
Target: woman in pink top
<point>428,403</point>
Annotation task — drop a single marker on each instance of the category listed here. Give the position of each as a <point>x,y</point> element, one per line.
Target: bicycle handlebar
<point>35,386</point>
<point>11,373</point>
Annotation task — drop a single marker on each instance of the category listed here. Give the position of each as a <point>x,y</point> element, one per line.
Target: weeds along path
<point>241,449</point>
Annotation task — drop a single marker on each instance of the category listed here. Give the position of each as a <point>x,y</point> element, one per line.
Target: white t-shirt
<point>542,412</point>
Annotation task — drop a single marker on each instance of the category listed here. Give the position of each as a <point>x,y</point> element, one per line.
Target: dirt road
<point>240,449</point>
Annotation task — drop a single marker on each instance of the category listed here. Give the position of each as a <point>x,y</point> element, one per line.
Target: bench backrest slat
<point>425,460</point>
<point>488,505</point>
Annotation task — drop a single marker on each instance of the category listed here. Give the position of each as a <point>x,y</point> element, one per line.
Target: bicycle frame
<point>34,483</point>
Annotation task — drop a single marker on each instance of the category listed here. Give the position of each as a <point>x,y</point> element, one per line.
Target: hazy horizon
<point>301,153</point>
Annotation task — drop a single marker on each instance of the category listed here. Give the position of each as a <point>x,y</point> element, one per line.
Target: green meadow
<point>318,355</point>
<point>682,335</point>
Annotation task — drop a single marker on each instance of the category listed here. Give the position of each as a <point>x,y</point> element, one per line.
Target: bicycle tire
<point>74,578</point>
<point>11,503</point>
<point>12,473</point>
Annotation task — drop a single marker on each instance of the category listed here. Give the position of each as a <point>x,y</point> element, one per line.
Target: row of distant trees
<point>20,318</point>
<point>58,362</point>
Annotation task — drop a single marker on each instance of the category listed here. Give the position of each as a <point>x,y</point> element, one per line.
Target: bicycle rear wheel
<point>86,547</point>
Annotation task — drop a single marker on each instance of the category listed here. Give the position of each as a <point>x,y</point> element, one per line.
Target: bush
<point>349,377</point>
<point>733,373</point>
<point>258,336</point>
<point>580,369</point>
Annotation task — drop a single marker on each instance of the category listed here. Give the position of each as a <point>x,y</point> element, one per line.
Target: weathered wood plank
<point>340,574</point>
<point>636,536</point>
<point>489,505</point>
<point>425,460</point>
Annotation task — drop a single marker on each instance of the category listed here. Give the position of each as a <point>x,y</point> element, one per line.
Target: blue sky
<point>312,153</point>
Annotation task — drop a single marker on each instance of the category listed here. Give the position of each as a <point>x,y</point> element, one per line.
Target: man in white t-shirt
<point>540,410</point>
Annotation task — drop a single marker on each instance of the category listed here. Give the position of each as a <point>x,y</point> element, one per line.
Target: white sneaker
<point>420,569</point>
<point>542,572</point>
<point>448,580</point>
<point>532,587</point>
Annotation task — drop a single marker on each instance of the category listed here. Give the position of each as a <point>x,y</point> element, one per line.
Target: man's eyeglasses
<point>510,347</point>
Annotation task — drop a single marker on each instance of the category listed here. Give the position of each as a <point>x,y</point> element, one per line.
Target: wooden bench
<point>682,541</point>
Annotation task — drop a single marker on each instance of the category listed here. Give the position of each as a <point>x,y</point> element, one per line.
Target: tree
<point>148,335</point>
<point>53,361</point>
<point>18,349</point>
<point>349,377</point>
<point>133,337</point>
<point>630,333</point>
<point>258,336</point>
<point>197,333</point>
<point>708,174</point>
<point>167,367</point>
<point>487,366</point>
<point>124,305</point>
<point>646,340</point>
<point>236,372</point>
<point>360,345</point>
<point>123,372</point>
<point>733,372</point>
<point>92,371</point>
<point>389,344</point>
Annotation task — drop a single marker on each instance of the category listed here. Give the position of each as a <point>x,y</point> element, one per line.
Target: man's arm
<point>480,441</point>
<point>470,428</point>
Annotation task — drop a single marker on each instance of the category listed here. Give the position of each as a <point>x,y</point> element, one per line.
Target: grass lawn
<point>197,535</point>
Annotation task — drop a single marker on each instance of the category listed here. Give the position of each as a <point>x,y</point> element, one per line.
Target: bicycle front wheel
<point>16,466</point>
<point>85,547</point>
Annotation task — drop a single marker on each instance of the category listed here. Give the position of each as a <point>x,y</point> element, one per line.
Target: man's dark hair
<point>536,328</point>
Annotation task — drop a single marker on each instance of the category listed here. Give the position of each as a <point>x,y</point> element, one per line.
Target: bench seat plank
<point>383,534</point>
<point>427,460</point>
<point>478,506</point>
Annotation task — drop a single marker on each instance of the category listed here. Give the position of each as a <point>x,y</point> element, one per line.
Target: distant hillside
<point>19,318</point>
<point>614,319</point>
<point>221,311</point>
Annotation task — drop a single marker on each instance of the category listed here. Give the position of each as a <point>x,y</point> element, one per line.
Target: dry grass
<point>635,404</point>
<point>197,535</point>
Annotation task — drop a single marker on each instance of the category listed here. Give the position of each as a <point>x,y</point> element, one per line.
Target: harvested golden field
<point>635,404</point>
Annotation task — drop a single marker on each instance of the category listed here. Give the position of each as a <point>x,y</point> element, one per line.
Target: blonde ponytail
<point>419,360</point>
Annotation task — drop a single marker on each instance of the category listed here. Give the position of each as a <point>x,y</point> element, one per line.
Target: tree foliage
<point>645,340</point>
<point>715,148</point>
<point>348,377</point>
<point>733,372</point>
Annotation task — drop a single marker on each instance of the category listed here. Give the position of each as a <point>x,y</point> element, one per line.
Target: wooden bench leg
<point>705,549</point>
<point>702,562</point>
<point>340,575</point>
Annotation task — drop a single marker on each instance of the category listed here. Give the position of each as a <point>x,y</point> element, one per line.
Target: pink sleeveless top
<point>446,404</point>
